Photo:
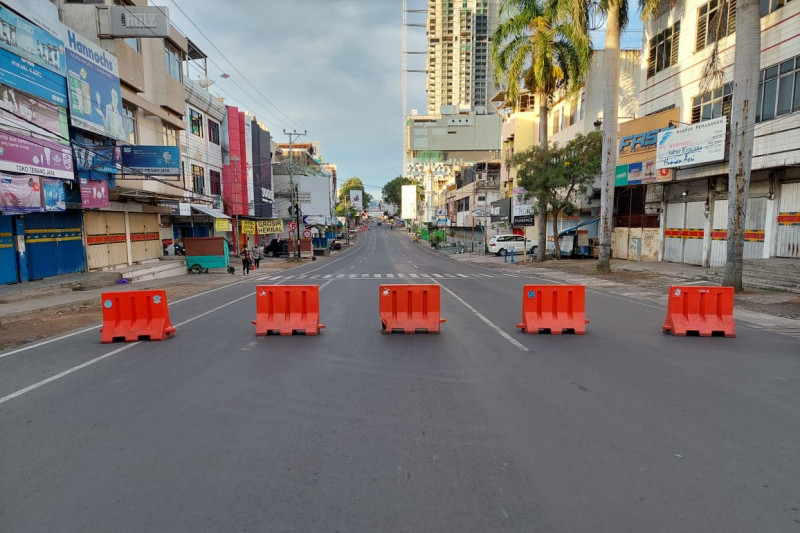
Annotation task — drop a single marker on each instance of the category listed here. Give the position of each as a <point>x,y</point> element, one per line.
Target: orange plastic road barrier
<point>704,311</point>
<point>554,309</point>
<point>410,308</point>
<point>135,315</point>
<point>287,309</point>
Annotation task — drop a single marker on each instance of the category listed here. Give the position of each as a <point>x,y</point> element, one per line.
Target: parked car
<point>505,243</point>
<point>276,248</point>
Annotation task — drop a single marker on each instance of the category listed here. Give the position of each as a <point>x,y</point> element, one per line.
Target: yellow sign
<point>222,224</point>
<point>249,227</point>
<point>269,226</point>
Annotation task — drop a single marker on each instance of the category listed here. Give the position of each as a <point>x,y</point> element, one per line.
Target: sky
<point>332,68</point>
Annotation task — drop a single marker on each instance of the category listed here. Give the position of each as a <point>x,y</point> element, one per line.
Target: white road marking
<point>327,276</point>
<point>378,275</point>
<point>339,276</point>
<point>437,276</point>
<point>391,275</point>
<point>488,322</point>
<point>462,275</point>
<point>353,275</point>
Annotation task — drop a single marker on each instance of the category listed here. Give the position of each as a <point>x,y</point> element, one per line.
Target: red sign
<point>292,224</point>
<point>307,233</point>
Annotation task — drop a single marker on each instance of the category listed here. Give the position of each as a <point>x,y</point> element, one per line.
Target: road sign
<point>307,233</point>
<point>292,225</point>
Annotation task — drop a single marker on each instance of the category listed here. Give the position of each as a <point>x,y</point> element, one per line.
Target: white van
<point>505,243</point>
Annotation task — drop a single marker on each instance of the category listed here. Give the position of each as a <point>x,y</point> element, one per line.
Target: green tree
<point>532,46</point>
<point>392,191</point>
<point>558,176</point>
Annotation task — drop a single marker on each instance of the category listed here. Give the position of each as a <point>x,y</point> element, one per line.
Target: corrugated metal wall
<point>54,244</point>
<point>719,234</point>
<point>145,237</point>
<point>789,221</point>
<point>105,239</point>
<point>673,234</point>
<point>754,228</point>
<point>8,251</point>
<point>693,233</point>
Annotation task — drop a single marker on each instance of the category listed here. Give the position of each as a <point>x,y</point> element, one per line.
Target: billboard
<point>703,142</point>
<point>29,155</point>
<point>43,13</point>
<point>151,160</point>
<point>29,42</point>
<point>22,111</point>
<point>356,199</point>
<point>408,201</point>
<point>32,79</point>
<point>266,227</point>
<point>97,158</point>
<point>95,99</point>
<point>139,21</point>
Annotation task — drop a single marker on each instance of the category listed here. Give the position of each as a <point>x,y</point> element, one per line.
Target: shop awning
<point>567,231</point>
<point>210,211</point>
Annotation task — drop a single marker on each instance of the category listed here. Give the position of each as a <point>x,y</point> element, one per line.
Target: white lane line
<point>401,275</point>
<point>51,379</point>
<point>106,356</point>
<point>488,322</point>
<point>364,275</point>
<point>48,341</point>
<point>378,275</point>
<point>315,276</point>
<point>249,346</point>
<point>462,275</point>
<point>414,275</point>
<point>437,276</point>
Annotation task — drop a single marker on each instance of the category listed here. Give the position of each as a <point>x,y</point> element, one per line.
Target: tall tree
<point>534,48</point>
<point>347,186</point>
<point>558,175</point>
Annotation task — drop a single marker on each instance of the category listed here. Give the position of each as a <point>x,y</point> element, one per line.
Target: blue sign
<point>95,99</point>
<point>29,77</point>
<point>54,196</point>
<point>96,158</point>
<point>20,37</point>
<point>151,160</point>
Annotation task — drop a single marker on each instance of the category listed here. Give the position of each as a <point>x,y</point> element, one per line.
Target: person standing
<point>256,256</point>
<point>246,262</point>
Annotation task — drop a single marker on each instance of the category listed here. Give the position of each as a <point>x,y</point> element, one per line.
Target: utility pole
<point>294,189</point>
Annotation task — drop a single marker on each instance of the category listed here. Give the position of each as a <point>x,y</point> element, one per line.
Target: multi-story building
<point>694,204</point>
<point>459,71</point>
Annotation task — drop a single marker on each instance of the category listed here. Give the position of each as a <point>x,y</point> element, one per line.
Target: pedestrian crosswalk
<point>388,276</point>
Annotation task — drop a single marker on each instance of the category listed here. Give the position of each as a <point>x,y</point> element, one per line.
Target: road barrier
<point>135,315</point>
<point>704,311</point>
<point>410,308</point>
<point>554,309</point>
<point>287,309</point>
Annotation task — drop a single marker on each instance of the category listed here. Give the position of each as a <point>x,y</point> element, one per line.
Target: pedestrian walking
<point>247,260</point>
<point>256,256</point>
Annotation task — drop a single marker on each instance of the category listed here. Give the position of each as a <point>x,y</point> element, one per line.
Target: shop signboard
<point>54,195</point>
<point>20,194</point>
<point>94,194</point>
<point>35,156</point>
<point>29,77</point>
<point>32,114</point>
<point>31,43</point>
<point>249,227</point>
<point>43,13</point>
<point>151,160</point>
<point>265,227</point>
<point>703,142</point>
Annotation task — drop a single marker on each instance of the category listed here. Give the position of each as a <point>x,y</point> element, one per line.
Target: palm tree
<point>533,48</point>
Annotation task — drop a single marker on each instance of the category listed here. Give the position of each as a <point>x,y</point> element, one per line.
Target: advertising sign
<point>95,99</point>
<point>139,21</point>
<point>501,210</point>
<point>32,114</point>
<point>22,38</point>
<point>94,194</point>
<point>97,158</point>
<point>355,199</point>
<point>408,197</point>
<point>222,224</point>
<point>35,156</point>
<point>151,160</point>
<point>266,227</point>
<point>43,13</point>
<point>29,77</point>
<point>303,197</point>
<point>522,206</point>
<point>54,197</point>
<point>249,227</point>
<point>639,173</point>
<point>703,142</point>
<point>20,194</point>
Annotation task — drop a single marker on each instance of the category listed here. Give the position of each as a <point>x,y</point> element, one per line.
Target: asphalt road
<point>479,428</point>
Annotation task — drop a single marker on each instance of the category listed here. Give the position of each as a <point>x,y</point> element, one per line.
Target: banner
<point>22,111</point>
<point>20,194</point>
<point>43,13</point>
<point>151,160</point>
<point>408,202</point>
<point>222,224</point>
<point>95,99</point>
<point>33,79</point>
<point>703,142</point>
<point>266,227</point>
<point>35,156</point>
<point>97,158</point>
<point>22,38</point>
<point>55,199</point>
<point>249,227</point>
<point>356,196</point>
<point>94,194</point>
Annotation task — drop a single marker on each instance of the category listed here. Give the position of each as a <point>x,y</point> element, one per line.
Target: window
<point>556,121</point>
<point>779,90</point>
<point>768,6</point>
<point>216,182</point>
<point>583,105</point>
<point>663,50</point>
<point>196,122</point>
<point>172,58</point>
<point>198,179</point>
<point>573,106</point>
<point>213,131</point>
<point>133,42</point>
<point>129,121</point>
<point>708,23</point>
<point>169,134</point>
<point>712,104</point>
